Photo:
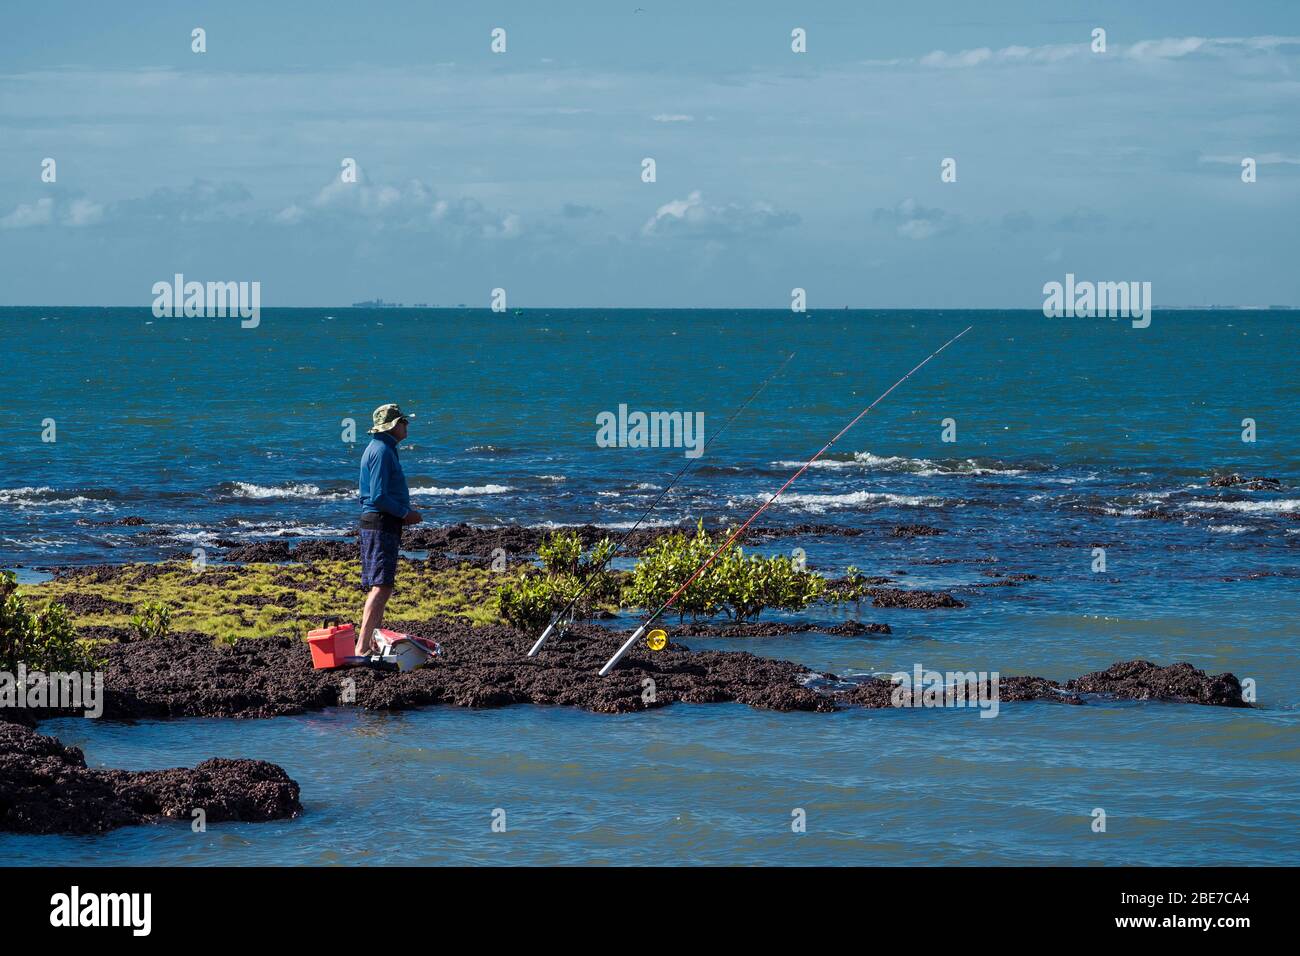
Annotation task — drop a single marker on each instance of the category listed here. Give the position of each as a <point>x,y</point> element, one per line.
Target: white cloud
<point>964,58</point>
<point>693,218</point>
<point>1263,159</point>
<point>47,212</point>
<point>39,213</point>
<point>914,221</point>
<point>1166,48</point>
<point>413,205</point>
<point>83,212</point>
<point>290,215</point>
<point>673,118</point>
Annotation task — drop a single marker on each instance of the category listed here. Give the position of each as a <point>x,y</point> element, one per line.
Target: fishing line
<point>627,645</point>
<point>690,463</point>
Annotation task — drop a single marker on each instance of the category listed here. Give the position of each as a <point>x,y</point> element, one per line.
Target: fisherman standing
<point>385,510</point>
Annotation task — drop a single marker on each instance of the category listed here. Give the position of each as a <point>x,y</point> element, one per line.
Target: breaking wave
<point>302,489</point>
<point>465,491</point>
<point>924,467</point>
<point>1282,505</point>
<point>816,504</point>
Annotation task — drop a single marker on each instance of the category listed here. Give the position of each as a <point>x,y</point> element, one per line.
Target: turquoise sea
<point>1071,434</point>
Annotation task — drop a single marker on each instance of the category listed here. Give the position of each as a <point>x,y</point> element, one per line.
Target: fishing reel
<point>563,623</point>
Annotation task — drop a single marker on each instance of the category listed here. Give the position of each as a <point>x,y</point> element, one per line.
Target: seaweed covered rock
<point>1250,484</point>
<point>259,552</point>
<point>914,599</point>
<point>1143,680</point>
<point>46,787</point>
<point>328,549</point>
<point>187,675</point>
<point>778,629</point>
<point>915,531</point>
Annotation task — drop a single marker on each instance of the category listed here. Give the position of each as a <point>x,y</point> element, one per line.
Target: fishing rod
<point>690,463</point>
<point>636,635</point>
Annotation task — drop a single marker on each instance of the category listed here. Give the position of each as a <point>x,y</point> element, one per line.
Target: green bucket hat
<point>386,416</point>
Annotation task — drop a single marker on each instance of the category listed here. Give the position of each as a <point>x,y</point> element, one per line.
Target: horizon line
<point>387,307</point>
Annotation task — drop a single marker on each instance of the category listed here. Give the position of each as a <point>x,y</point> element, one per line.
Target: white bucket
<point>399,649</point>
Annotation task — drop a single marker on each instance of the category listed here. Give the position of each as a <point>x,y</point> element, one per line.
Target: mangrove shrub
<point>41,641</point>
<point>738,585</point>
<point>530,600</point>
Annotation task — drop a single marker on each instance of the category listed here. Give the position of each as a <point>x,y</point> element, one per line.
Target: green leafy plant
<point>42,641</point>
<point>529,601</point>
<point>738,585</point>
<point>561,553</point>
<point>151,621</point>
<point>852,588</point>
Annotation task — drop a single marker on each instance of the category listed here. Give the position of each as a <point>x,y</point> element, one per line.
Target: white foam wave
<point>1281,505</point>
<point>465,491</point>
<point>35,497</point>
<point>610,525</point>
<point>285,529</point>
<point>924,467</point>
<point>817,504</point>
<point>248,489</point>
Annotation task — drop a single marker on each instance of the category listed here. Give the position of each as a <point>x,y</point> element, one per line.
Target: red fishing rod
<point>559,618</point>
<point>636,635</point>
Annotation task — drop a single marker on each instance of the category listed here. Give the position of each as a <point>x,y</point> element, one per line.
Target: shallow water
<point>1068,431</point>
<point>719,784</point>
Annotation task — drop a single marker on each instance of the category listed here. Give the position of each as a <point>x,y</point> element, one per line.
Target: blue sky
<point>774,169</point>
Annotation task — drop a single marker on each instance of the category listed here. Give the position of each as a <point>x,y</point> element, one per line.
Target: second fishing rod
<point>704,565</point>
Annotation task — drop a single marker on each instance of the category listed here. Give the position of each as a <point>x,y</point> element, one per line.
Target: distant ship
<point>376,304</point>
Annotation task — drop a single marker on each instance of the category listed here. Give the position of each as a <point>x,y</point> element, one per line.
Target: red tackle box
<point>332,646</point>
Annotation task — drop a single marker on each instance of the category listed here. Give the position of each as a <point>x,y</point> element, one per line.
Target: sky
<point>774,170</point>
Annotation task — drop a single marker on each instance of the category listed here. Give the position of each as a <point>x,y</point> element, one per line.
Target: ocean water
<point>1071,434</point>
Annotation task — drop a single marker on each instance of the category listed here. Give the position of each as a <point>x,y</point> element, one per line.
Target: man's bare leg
<point>372,617</point>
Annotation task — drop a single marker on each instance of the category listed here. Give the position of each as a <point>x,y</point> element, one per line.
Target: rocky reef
<point>46,787</point>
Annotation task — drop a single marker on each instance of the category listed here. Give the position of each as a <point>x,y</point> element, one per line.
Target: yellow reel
<point>657,640</point>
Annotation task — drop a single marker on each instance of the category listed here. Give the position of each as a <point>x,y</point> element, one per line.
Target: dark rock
<point>225,789</point>
<point>805,530</point>
<point>285,599</point>
<point>1251,484</point>
<point>914,599</point>
<point>325,550</point>
<point>480,667</point>
<point>46,787</point>
<point>104,632</point>
<point>777,629</point>
<point>856,629</point>
<point>85,603</point>
<point>1143,680</point>
<point>915,531</point>
<point>259,552</point>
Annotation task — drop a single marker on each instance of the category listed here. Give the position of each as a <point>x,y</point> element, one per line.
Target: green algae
<point>256,600</point>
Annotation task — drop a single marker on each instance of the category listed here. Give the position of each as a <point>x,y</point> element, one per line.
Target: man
<point>385,510</point>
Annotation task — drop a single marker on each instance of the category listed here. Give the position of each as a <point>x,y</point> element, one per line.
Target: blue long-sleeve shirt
<point>383,485</point>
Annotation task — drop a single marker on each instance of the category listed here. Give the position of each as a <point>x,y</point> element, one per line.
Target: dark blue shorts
<point>379,557</point>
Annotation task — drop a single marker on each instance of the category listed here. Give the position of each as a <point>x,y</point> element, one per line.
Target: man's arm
<point>379,479</point>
